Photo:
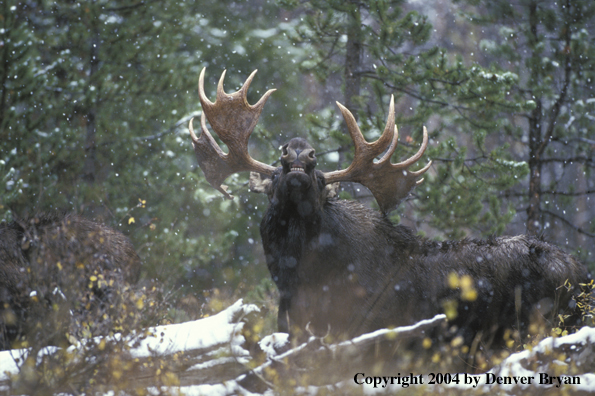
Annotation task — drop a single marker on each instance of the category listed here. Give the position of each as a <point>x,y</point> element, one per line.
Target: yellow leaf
<point>131,220</point>
<point>457,342</point>
<point>453,280</point>
<point>170,379</point>
<point>469,295</point>
<point>450,309</point>
<point>466,282</point>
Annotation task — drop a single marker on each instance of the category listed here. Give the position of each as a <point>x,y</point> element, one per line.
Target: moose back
<point>344,269</point>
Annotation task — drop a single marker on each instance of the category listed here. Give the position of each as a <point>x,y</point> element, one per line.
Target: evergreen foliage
<point>96,98</point>
<point>548,46</point>
<point>496,120</point>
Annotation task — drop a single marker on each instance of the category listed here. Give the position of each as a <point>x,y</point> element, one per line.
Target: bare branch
<point>567,193</point>
<point>337,358</point>
<point>568,223</point>
<point>179,123</point>
<point>555,110</point>
<point>580,158</point>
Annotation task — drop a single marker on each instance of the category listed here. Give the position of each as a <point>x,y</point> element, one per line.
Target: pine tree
<point>96,100</point>
<point>380,49</point>
<point>549,47</point>
<point>539,69</point>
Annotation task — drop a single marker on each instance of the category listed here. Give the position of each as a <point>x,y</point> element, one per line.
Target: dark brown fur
<point>51,257</point>
<point>344,268</point>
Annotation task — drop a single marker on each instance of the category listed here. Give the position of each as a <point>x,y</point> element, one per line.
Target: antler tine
<point>368,151</point>
<point>417,156</point>
<point>389,183</point>
<point>244,89</point>
<point>390,133</point>
<point>356,135</point>
<point>204,101</point>
<point>221,95</point>
<point>233,119</point>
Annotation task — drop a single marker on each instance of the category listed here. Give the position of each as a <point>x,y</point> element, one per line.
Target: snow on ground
<point>271,343</point>
<point>8,361</point>
<point>514,365</point>
<point>222,329</point>
<point>512,376</point>
<point>199,334</point>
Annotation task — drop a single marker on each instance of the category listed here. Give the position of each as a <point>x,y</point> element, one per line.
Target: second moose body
<point>46,262</point>
<point>344,269</point>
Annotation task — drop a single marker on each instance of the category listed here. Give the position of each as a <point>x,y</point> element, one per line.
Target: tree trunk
<point>91,128</point>
<point>89,165</point>
<point>535,166</point>
<point>536,144</point>
<point>8,26</point>
<point>353,55</point>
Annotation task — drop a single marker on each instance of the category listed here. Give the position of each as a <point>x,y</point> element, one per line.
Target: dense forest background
<point>96,97</point>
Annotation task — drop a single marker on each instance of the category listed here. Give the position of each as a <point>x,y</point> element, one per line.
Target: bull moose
<point>344,269</point>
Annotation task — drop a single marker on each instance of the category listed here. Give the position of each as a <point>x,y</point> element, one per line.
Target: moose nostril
<point>311,154</point>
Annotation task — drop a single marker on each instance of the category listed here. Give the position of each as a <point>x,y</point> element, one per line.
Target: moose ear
<point>332,190</point>
<point>260,184</point>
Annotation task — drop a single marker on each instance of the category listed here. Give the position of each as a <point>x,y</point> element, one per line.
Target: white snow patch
<point>198,334</point>
<point>263,33</point>
<point>271,343</point>
<point>207,333</point>
<point>512,164</point>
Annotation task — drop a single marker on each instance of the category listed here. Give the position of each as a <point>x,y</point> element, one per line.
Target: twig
<point>568,223</point>
<point>567,193</point>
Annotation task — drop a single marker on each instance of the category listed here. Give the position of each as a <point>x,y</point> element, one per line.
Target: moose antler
<point>233,119</point>
<point>389,183</point>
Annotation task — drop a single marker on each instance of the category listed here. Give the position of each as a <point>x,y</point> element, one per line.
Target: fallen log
<point>315,363</point>
<point>210,356</point>
<point>205,351</point>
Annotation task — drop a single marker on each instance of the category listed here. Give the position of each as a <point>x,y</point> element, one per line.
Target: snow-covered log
<point>556,365</point>
<point>319,364</point>
<point>205,351</point>
<point>209,357</point>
